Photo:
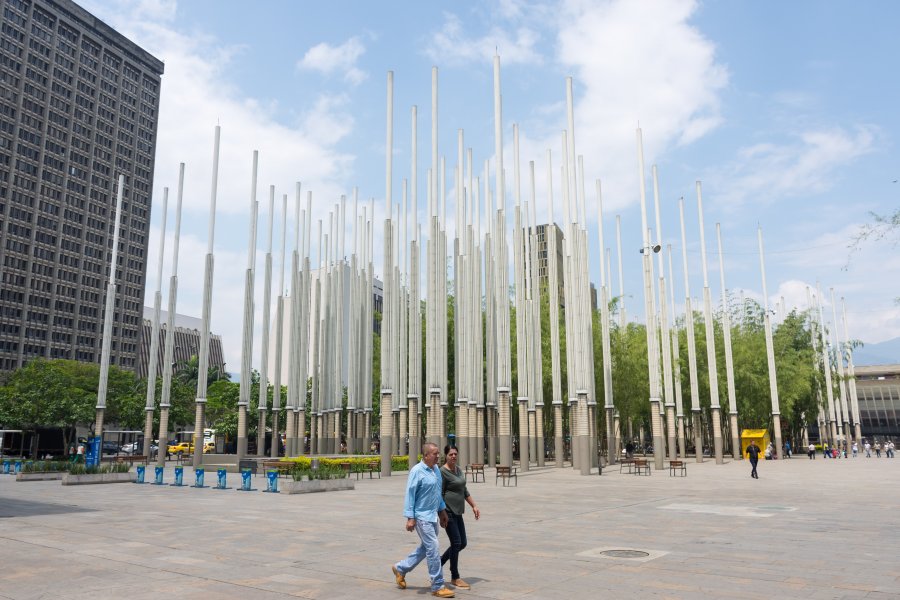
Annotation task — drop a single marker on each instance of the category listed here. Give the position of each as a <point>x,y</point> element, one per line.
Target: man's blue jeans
<point>428,550</point>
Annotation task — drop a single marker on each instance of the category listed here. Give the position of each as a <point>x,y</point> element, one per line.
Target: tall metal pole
<point>834,423</point>
<point>501,280</point>
<point>715,409</point>
<point>611,448</point>
<point>839,356</point>
<point>263,398</point>
<point>108,315</point>
<point>203,361</point>
<point>170,332</point>
<point>663,336</point>
<point>851,375</point>
<point>729,360</point>
<point>650,318</point>
<point>387,330</point>
<point>770,349</point>
<point>247,337</point>
<point>696,421</point>
<point>154,339</point>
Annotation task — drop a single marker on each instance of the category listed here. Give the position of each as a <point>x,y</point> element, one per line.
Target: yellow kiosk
<point>760,436</point>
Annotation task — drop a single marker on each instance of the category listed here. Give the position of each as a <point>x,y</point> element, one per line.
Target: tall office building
<point>78,107</point>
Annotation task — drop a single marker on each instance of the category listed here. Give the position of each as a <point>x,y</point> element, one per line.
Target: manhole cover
<point>625,553</point>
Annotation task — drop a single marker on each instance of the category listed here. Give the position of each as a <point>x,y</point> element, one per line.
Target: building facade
<point>186,343</point>
<point>79,105</point>
<point>878,394</point>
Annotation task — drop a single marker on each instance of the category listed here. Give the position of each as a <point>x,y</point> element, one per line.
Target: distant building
<point>186,343</point>
<point>79,105</point>
<point>878,393</point>
<point>545,254</point>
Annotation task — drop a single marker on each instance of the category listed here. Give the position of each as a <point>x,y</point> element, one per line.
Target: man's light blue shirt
<point>423,493</point>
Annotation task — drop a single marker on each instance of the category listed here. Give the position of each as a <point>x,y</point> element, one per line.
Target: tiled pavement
<point>806,529</point>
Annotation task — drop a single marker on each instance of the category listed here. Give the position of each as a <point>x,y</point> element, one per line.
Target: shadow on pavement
<point>18,508</point>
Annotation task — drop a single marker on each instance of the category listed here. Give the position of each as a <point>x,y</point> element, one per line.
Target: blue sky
<point>785,111</point>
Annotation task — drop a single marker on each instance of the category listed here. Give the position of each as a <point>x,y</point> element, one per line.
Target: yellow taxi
<point>181,448</point>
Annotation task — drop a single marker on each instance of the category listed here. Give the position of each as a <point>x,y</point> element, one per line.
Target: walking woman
<point>455,497</point>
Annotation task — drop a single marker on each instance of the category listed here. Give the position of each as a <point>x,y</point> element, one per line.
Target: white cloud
<point>451,45</point>
<point>196,95</point>
<point>328,59</point>
<point>807,164</point>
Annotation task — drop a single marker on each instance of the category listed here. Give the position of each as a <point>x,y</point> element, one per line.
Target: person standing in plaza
<point>424,508</point>
<point>811,451</point>
<point>877,449</point>
<point>456,495</point>
<point>753,455</point>
<point>855,449</point>
<point>868,448</point>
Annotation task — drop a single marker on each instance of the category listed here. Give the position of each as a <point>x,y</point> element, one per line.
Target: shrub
<point>398,463</point>
<point>45,466</point>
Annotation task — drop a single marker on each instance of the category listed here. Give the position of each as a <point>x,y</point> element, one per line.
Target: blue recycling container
<point>199,476</point>
<point>246,480</point>
<point>272,481</point>
<point>179,476</point>
<point>222,475</point>
<point>139,478</point>
<point>158,475</point>
<point>6,467</point>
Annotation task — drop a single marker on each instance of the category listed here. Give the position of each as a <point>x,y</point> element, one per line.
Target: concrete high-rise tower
<point>79,105</point>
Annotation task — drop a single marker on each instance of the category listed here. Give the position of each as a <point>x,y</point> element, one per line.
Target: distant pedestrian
<point>855,449</point>
<point>753,455</point>
<point>877,449</point>
<point>811,451</point>
<point>787,449</point>
<point>868,448</point>
<point>889,449</point>
<point>826,453</point>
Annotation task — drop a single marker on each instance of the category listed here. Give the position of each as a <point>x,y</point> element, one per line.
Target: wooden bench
<point>641,466</point>
<point>373,468</point>
<point>506,473</point>
<point>475,470</point>
<point>134,458</point>
<point>677,466</point>
<point>283,468</point>
<point>626,463</point>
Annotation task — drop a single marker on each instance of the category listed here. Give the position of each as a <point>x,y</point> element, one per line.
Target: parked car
<point>181,448</point>
<point>109,448</point>
<point>138,448</point>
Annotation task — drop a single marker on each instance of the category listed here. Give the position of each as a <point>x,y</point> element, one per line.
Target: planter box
<point>69,479</point>
<point>50,476</point>
<point>317,485</point>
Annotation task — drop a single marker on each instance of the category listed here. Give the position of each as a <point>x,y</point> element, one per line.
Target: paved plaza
<point>804,529</point>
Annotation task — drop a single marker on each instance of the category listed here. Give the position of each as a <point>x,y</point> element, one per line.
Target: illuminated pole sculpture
<point>696,421</point>
<point>170,333</point>
<point>715,409</point>
<point>851,375</point>
<point>834,424</point>
<point>154,339</point>
<point>501,285</point>
<point>108,315</point>
<point>263,398</point>
<point>247,331</point>
<point>664,333</point>
<point>770,350</point>
<point>729,360</point>
<point>609,405</point>
<point>387,324</point>
<point>203,362</point>
<point>839,361</point>
<point>650,317</point>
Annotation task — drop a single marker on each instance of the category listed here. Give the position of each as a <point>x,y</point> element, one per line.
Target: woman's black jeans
<point>456,531</point>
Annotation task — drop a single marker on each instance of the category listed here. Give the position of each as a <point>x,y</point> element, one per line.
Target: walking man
<point>424,508</point>
<point>753,455</point>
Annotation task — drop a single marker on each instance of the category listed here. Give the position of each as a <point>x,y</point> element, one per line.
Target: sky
<point>786,112</point>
